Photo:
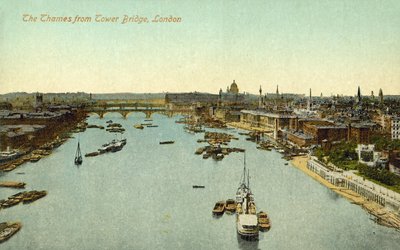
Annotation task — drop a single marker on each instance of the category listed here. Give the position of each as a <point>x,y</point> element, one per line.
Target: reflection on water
<point>142,197</point>
<point>247,244</point>
<point>333,194</point>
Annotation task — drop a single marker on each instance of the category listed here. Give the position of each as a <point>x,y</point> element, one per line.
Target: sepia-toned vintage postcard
<point>172,124</point>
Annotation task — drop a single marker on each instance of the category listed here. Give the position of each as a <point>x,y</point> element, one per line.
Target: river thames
<point>142,197</point>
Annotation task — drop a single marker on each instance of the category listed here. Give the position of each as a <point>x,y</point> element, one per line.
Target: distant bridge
<point>125,108</point>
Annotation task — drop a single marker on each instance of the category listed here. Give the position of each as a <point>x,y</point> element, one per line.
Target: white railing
<point>365,188</point>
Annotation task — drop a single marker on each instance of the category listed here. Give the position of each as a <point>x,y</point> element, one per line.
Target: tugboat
<point>113,146</point>
<point>78,156</point>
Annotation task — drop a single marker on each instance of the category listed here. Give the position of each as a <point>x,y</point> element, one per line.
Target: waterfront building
<point>227,114</point>
<point>269,121</point>
<point>299,139</point>
<point>20,135</point>
<point>321,130</point>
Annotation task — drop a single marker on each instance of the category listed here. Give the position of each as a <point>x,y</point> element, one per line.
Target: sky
<point>330,46</point>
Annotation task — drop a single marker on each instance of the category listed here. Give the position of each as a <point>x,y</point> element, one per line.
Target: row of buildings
<point>37,124</point>
<point>306,122</point>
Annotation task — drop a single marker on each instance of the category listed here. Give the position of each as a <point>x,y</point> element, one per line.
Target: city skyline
<point>329,47</point>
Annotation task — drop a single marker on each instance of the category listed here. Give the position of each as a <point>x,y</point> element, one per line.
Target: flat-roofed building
<point>395,128</point>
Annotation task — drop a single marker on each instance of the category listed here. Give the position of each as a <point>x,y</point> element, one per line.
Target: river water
<point>142,197</point>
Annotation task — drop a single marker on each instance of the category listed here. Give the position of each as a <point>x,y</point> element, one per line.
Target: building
<point>300,139</point>
<point>321,130</point>
<point>359,133</point>
<point>367,154</point>
<point>227,114</point>
<point>395,128</point>
<point>191,98</point>
<point>19,135</point>
<point>233,89</point>
<point>269,121</point>
<point>394,162</point>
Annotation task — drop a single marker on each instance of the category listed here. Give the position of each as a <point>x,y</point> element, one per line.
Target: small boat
<point>138,126</point>
<point>152,126</point>
<point>33,196</point>
<point>114,125</point>
<point>8,229</point>
<point>218,156</point>
<point>206,155</point>
<point>78,156</point>
<point>198,186</point>
<point>113,146</point>
<point>148,120</point>
<point>263,221</point>
<point>167,142</point>
<point>10,202</point>
<point>230,205</point>
<point>109,121</point>
<point>9,155</point>
<point>263,148</point>
<point>96,153</point>
<point>35,158</point>
<point>199,151</point>
<point>219,208</point>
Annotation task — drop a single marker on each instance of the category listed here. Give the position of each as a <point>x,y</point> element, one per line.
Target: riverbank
<point>383,216</point>
<point>248,127</point>
<point>44,147</point>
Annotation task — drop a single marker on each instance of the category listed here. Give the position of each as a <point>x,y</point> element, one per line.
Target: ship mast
<point>244,170</point>
<point>248,179</point>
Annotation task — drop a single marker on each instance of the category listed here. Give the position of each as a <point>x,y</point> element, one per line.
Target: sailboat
<point>78,156</point>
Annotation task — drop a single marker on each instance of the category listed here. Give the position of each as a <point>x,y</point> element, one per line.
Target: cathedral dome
<point>234,88</point>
